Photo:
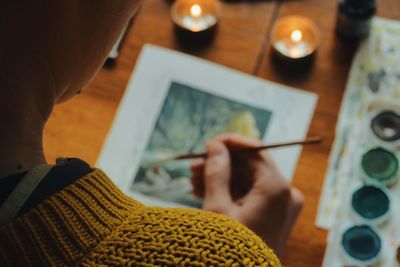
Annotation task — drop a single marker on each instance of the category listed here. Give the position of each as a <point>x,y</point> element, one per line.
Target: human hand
<point>248,188</point>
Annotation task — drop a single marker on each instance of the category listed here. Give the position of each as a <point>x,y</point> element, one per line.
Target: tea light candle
<point>195,15</point>
<point>295,37</point>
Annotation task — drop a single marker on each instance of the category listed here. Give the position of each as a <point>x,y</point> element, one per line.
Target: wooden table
<point>78,128</point>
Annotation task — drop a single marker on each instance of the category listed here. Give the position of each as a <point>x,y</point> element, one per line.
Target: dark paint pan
<point>386,126</point>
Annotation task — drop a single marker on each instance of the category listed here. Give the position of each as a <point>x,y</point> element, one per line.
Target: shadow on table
<point>296,70</point>
<point>292,69</point>
<point>195,42</point>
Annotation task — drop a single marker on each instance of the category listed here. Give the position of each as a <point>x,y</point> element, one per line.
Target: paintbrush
<point>310,140</point>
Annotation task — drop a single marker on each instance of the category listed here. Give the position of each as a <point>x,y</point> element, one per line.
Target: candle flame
<point>195,10</point>
<point>296,35</point>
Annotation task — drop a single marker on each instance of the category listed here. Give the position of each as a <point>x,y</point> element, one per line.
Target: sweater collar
<point>67,225</point>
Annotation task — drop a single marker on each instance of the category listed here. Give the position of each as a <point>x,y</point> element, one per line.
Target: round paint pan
<point>386,126</point>
<point>380,165</point>
<point>372,203</point>
<point>361,245</point>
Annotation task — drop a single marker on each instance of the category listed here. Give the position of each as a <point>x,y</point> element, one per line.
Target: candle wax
<point>197,24</point>
<point>293,49</point>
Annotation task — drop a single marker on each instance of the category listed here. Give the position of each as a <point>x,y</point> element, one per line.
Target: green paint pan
<point>372,203</point>
<point>380,165</point>
<point>361,245</point>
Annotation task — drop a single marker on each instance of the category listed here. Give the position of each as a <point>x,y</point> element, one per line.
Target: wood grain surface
<point>78,128</point>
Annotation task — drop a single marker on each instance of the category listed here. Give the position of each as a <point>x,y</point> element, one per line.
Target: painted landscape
<point>187,120</point>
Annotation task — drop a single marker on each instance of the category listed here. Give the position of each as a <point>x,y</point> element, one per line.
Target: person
<point>72,214</point>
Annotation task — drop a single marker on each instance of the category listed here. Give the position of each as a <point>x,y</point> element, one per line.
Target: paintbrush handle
<point>308,141</point>
<point>191,156</point>
<point>311,140</point>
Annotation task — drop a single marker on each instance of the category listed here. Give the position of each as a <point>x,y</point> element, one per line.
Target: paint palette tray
<point>366,231</point>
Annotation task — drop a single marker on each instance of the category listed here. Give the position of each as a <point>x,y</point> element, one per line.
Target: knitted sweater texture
<point>92,223</point>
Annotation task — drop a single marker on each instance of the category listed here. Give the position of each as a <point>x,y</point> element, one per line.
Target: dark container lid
<point>358,9</point>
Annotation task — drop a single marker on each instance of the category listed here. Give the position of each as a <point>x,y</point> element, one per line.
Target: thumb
<point>217,171</point>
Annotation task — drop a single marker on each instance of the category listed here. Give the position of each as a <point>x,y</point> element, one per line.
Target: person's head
<point>50,49</point>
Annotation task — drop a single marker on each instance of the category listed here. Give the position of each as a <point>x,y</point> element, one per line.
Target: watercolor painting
<point>188,119</point>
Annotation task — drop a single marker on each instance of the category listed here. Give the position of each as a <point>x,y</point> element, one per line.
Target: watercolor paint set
<point>366,231</point>
<point>374,74</point>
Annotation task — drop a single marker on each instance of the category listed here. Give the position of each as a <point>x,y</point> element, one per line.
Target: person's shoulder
<point>170,237</point>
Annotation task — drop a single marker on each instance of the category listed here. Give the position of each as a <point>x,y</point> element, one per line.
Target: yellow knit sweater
<point>92,223</point>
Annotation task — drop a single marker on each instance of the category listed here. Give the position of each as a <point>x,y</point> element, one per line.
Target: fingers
<point>250,170</point>
<point>236,141</point>
<point>198,186</point>
<point>217,177</point>
<point>293,211</point>
<point>298,202</point>
<point>197,166</point>
<point>197,179</point>
<point>232,140</point>
<point>240,181</point>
